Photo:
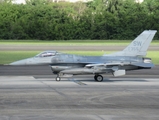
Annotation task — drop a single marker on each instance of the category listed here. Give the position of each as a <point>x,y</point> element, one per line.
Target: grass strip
<point>71,42</point>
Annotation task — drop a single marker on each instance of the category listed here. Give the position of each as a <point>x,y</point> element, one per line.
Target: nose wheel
<point>98,78</point>
<point>58,79</point>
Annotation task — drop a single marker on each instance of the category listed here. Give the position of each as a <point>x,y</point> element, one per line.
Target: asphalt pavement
<point>31,93</point>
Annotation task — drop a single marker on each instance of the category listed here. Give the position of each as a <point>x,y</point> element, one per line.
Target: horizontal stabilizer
<point>145,65</point>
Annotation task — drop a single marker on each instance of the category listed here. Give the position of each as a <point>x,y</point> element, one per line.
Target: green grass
<point>71,42</point>
<point>10,56</point>
<point>154,55</point>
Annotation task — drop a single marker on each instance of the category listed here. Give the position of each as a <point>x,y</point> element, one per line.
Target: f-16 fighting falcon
<point>67,65</point>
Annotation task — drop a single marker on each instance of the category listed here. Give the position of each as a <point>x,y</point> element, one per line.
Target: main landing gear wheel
<point>98,78</point>
<point>58,79</point>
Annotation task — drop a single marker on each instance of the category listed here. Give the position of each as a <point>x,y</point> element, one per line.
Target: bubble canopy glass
<point>47,54</point>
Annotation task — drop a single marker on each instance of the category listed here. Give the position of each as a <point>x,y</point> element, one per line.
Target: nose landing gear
<point>58,78</point>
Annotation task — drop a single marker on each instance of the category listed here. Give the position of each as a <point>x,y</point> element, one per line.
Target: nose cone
<point>20,62</point>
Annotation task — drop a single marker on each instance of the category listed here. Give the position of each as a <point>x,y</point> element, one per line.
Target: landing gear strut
<point>98,78</point>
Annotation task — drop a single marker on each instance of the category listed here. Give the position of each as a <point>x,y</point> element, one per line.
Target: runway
<point>31,93</point>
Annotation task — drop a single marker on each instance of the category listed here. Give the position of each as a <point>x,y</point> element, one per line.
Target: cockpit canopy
<point>47,54</point>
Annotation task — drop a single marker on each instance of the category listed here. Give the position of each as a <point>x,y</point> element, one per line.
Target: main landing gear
<point>98,78</point>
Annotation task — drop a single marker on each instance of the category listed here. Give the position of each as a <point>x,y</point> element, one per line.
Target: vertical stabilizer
<point>139,46</point>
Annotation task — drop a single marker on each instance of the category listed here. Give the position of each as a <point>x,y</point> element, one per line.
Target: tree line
<point>97,19</point>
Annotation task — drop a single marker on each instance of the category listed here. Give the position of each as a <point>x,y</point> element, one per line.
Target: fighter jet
<point>67,65</point>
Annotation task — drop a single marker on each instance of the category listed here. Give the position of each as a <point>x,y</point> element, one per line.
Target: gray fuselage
<point>67,61</point>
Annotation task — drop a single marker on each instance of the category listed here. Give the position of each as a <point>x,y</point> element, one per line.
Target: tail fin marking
<point>139,46</point>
